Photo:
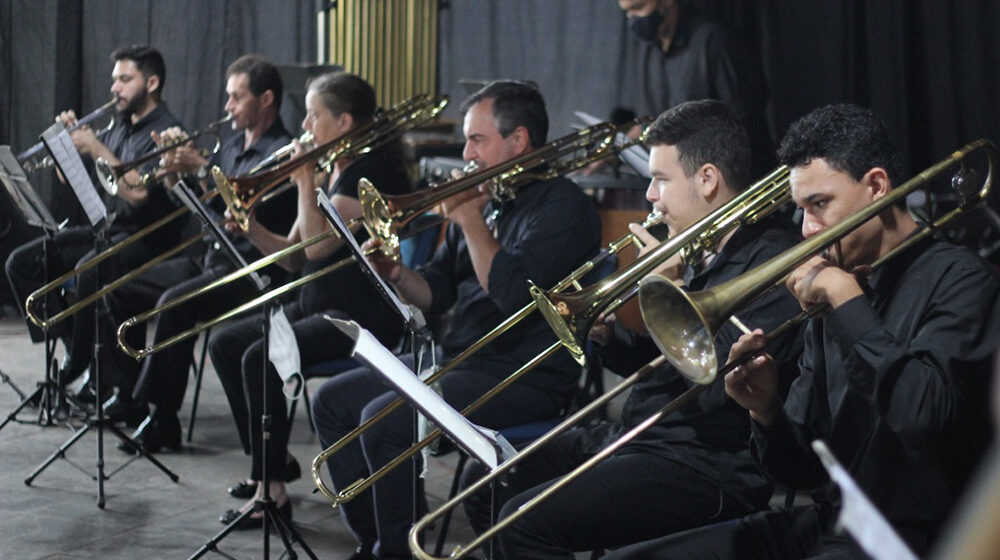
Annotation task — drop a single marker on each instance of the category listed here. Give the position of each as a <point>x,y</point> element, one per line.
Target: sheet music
<point>859,516</point>
<point>22,194</point>
<point>193,203</point>
<point>636,156</point>
<point>470,437</point>
<point>60,145</point>
<point>345,234</point>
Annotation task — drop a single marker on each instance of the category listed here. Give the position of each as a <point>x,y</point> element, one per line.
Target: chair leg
<point>446,520</point>
<point>307,403</point>
<point>198,368</point>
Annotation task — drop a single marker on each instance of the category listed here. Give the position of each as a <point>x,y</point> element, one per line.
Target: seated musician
<point>694,466</point>
<point>895,379</point>
<point>137,78</point>
<point>336,104</point>
<point>490,252</point>
<point>254,93</point>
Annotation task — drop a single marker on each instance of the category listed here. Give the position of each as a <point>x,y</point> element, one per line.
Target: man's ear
<point>266,98</point>
<point>877,182</point>
<point>521,139</point>
<point>346,121</point>
<point>709,180</point>
<point>153,84</point>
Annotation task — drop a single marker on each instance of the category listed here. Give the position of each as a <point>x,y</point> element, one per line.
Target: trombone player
<point>481,270</point>
<point>137,83</point>
<point>693,467</point>
<point>253,99</point>
<point>895,378</point>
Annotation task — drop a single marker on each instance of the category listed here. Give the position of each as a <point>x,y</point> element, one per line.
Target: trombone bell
<point>679,323</point>
<point>378,219</point>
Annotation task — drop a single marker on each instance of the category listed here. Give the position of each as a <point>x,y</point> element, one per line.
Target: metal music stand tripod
<point>58,142</point>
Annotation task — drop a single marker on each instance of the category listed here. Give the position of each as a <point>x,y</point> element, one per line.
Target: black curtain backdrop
<point>54,56</point>
<point>925,65</point>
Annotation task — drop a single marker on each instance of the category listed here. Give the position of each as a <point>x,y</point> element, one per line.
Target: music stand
<point>265,504</point>
<point>59,144</point>
<point>35,213</point>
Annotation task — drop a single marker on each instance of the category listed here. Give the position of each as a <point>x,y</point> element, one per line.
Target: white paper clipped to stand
<point>859,516</point>
<point>64,153</point>
<point>470,437</point>
<point>283,353</point>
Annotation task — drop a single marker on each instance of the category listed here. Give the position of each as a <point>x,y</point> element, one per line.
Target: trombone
<point>110,175</point>
<point>757,201</point>
<point>509,176</point>
<point>283,152</point>
<point>34,158</point>
<point>241,193</point>
<point>757,281</point>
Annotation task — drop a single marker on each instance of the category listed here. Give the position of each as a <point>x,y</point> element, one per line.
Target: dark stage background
<point>926,65</point>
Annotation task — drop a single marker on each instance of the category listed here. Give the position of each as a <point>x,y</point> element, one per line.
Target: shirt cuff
<point>851,321</point>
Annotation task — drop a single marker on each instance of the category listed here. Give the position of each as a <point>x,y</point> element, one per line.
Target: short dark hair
<point>515,104</point>
<point>849,138</point>
<point>342,92</point>
<point>705,131</point>
<point>261,75</point>
<point>148,60</point>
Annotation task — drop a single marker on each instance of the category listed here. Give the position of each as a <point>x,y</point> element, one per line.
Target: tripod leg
<point>286,529</point>
<point>6,379</point>
<point>211,545</point>
<point>25,401</point>
<point>142,451</point>
<point>59,452</point>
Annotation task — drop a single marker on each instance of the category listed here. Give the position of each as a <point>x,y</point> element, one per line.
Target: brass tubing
<point>33,298</point>
<point>508,465</point>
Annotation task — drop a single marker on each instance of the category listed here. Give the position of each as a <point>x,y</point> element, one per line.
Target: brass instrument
<point>110,175</point>
<point>38,295</point>
<point>683,324</point>
<point>758,200</point>
<point>572,315</point>
<point>241,193</point>
<point>257,265</point>
<point>713,310</point>
<point>35,157</point>
<point>306,140</point>
<point>384,216</point>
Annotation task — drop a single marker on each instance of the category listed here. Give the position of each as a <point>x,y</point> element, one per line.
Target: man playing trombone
<point>694,466</point>
<point>490,251</point>
<point>138,78</point>
<point>894,378</point>
<point>253,98</point>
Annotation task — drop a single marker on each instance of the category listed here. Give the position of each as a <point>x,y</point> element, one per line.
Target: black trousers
<point>796,533</point>
<point>68,249</point>
<point>381,518</point>
<point>237,353</point>
<point>164,374</point>
<point>633,495</point>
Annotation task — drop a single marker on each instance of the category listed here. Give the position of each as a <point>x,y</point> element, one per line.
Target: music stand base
<point>284,529</point>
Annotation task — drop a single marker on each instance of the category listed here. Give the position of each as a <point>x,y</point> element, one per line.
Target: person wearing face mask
<point>894,378</point>
<point>694,466</point>
<point>253,98</point>
<point>336,103</point>
<point>138,78</point>
<point>673,54</point>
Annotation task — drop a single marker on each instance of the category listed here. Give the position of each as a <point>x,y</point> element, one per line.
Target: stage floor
<point>147,515</point>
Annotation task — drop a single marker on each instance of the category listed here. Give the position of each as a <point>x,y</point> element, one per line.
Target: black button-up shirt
<point>896,382</point>
<point>547,230</point>
<point>711,434</point>
<point>276,214</point>
<point>129,141</point>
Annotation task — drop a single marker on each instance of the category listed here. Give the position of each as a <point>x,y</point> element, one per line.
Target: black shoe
<point>157,433</point>
<point>251,522</point>
<point>132,413</point>
<point>85,395</point>
<point>246,489</point>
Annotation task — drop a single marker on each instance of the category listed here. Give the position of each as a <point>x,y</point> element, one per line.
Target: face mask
<point>646,28</point>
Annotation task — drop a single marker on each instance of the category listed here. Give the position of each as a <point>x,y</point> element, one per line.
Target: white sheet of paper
<point>470,437</point>
<point>283,352</point>
<point>60,145</point>
<point>859,516</point>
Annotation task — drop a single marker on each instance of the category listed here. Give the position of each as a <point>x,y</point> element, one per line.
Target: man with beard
<point>137,82</point>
